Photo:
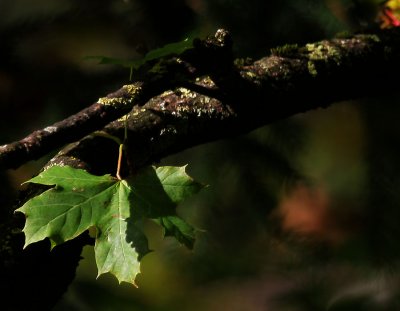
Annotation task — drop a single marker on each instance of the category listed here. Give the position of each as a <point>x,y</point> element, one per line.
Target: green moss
<point>369,37</point>
<point>113,101</point>
<point>251,75</point>
<point>132,89</point>
<point>311,68</point>
<point>124,118</point>
<point>344,34</point>
<point>185,93</point>
<point>287,50</point>
<point>206,80</point>
<point>166,93</point>
<point>322,52</point>
<point>137,111</point>
<point>240,62</point>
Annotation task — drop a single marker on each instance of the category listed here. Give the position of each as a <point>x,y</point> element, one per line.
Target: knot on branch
<point>214,54</point>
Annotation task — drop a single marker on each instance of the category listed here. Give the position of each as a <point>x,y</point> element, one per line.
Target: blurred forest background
<point>300,215</point>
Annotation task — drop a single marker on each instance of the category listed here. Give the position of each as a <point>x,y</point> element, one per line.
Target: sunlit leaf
<point>79,200</point>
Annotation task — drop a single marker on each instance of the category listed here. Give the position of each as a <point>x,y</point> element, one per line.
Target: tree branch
<point>225,99</point>
<point>291,80</point>
<point>74,127</point>
<point>151,80</point>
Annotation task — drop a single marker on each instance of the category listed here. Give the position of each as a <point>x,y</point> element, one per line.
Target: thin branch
<point>95,117</point>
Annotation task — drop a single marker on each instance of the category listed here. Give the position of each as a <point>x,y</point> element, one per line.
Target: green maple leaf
<point>114,207</point>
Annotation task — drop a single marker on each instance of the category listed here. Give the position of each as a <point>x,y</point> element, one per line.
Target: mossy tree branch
<point>227,98</point>
<point>239,99</point>
<point>221,98</point>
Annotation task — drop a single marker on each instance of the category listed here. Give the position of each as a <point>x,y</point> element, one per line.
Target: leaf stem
<point>121,148</point>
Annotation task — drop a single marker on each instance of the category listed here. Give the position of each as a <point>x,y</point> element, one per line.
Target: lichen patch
<point>132,89</point>
<point>115,101</point>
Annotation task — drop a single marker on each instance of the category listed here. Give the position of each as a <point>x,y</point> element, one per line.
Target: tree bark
<point>213,98</point>
<point>244,97</point>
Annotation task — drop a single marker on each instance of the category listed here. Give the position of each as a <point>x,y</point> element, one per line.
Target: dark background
<point>299,215</point>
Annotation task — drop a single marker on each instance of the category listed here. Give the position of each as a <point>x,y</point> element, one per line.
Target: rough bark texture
<point>292,80</point>
<point>212,97</point>
<point>200,96</point>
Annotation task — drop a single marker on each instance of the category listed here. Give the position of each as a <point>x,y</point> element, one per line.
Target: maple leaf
<point>79,200</point>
